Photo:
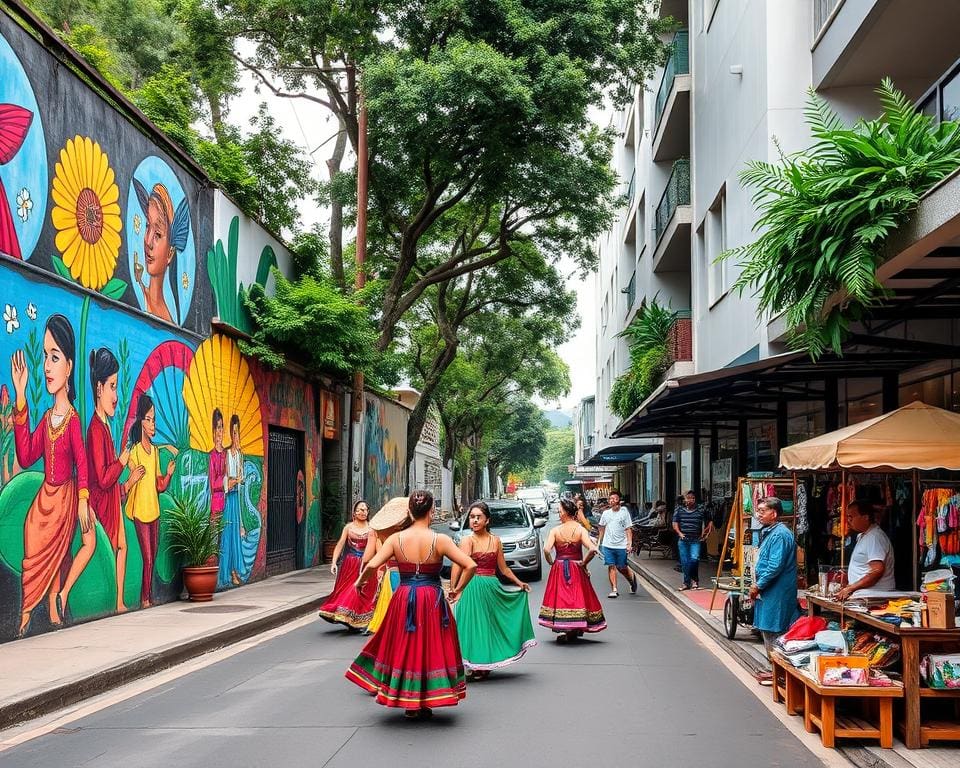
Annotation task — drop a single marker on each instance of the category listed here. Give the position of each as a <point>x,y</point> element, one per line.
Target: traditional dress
<point>414,661</point>
<point>388,585</point>
<point>233,568</point>
<point>569,602</point>
<point>345,605</point>
<point>493,623</point>
<point>217,475</point>
<point>52,518</point>
<point>143,507</point>
<point>104,472</point>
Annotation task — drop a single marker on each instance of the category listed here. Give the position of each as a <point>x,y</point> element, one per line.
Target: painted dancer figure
<point>105,467</point>
<point>414,661</point>
<point>493,623</point>
<point>348,605</point>
<point>570,605</point>
<point>14,124</point>
<point>62,500</point>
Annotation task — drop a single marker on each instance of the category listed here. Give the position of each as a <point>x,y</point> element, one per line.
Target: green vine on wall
<point>827,212</point>
<point>648,335</point>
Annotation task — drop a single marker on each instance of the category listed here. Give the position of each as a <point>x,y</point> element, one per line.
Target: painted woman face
<point>107,395</point>
<point>156,241</point>
<point>56,365</point>
<point>149,424</point>
<point>218,435</point>
<point>361,512</point>
<point>235,437</point>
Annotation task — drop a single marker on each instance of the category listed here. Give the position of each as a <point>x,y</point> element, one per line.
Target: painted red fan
<point>162,376</point>
<point>14,124</point>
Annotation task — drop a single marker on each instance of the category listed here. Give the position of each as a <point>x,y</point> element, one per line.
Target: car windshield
<point>508,517</point>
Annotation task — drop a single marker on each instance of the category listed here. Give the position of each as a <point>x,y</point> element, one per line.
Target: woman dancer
<point>414,661</point>
<point>62,499</point>
<point>493,624</point>
<point>391,518</point>
<point>348,605</point>
<point>104,466</point>
<point>143,499</point>
<point>570,606</point>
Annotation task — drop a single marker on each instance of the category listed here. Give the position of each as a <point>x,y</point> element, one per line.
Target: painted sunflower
<point>86,212</point>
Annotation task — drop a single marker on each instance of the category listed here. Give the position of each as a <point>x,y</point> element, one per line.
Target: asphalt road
<point>642,693</point>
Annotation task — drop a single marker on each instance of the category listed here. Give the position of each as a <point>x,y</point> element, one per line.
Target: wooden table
<point>819,705</point>
<point>916,732</point>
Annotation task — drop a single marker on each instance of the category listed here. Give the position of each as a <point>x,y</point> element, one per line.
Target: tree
<point>518,441</point>
<point>558,455</point>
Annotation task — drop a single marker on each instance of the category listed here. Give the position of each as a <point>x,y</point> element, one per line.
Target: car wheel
<point>730,609</point>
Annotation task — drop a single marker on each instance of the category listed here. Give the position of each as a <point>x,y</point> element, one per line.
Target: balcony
<point>672,222</point>
<point>671,114</point>
<point>859,42</point>
<point>676,9</point>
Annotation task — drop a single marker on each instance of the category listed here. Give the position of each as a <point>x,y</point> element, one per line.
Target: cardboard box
<point>941,610</point>
<point>826,662</point>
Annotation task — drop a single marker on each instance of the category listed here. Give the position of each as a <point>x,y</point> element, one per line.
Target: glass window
<point>860,399</point>
<point>950,98</point>
<point>805,420</point>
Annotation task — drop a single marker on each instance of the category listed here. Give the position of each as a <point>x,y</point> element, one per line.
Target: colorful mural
<point>161,253</point>
<point>23,160</point>
<point>385,450</point>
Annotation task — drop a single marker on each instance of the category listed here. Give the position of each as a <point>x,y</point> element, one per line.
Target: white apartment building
<point>734,90</point>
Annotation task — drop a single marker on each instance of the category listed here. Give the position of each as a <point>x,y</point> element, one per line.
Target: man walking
<point>616,537</point>
<point>692,527</point>
<point>774,590</point>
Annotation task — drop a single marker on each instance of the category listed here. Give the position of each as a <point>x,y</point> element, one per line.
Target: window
<point>715,243</point>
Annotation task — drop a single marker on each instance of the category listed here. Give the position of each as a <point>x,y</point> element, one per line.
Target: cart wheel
<point>731,609</point>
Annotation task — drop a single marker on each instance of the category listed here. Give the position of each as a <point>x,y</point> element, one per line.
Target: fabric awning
<point>916,436</point>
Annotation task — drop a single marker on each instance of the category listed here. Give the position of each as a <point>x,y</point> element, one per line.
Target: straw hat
<point>391,514</point>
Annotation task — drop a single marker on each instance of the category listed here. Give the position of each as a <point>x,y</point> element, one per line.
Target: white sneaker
<point>614,594</point>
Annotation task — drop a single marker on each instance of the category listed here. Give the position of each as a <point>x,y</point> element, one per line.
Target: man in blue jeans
<point>692,527</point>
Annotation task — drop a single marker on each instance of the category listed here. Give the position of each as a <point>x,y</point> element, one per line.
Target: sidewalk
<point>44,673</point>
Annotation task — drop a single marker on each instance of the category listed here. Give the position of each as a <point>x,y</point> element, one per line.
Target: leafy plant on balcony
<point>648,335</point>
<point>827,212</point>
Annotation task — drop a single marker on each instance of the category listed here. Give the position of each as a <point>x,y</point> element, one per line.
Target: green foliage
<point>191,533</point>
<point>310,322</point>
<point>519,439</point>
<point>90,43</point>
<point>647,334</point>
<point>827,212</point>
<point>170,100</point>
<point>558,455</point>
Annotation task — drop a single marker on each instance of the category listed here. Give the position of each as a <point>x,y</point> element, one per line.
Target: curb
<point>857,756</point>
<point>65,694</point>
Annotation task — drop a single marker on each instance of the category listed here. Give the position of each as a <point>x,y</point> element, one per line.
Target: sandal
<point>684,588</point>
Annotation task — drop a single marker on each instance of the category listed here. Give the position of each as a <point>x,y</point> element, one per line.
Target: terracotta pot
<point>200,582</point>
<point>328,546</point>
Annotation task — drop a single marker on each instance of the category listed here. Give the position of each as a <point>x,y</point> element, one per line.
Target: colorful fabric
<point>413,668</point>
<point>569,601</point>
<point>388,585</point>
<point>217,475</point>
<point>493,623</point>
<point>143,503</point>
<point>345,605</point>
<point>103,474</point>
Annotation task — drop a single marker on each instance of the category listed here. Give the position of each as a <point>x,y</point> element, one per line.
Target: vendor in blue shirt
<point>774,590</point>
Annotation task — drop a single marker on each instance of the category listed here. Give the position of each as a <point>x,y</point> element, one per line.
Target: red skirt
<point>414,659</point>
<point>569,602</point>
<point>345,605</point>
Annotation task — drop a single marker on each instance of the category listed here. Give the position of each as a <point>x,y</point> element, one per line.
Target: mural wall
<point>385,450</point>
<point>86,195</point>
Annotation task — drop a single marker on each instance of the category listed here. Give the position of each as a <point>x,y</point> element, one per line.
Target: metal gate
<point>284,462</point>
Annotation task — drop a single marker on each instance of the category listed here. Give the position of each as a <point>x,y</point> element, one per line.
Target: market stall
<point>902,463</point>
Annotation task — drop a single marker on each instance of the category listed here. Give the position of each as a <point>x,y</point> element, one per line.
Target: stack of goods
<point>941,670</point>
<point>843,670</point>
<point>880,651</point>
<point>939,524</point>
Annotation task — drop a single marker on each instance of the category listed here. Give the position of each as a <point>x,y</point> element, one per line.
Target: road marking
<point>20,734</point>
<point>829,757</point>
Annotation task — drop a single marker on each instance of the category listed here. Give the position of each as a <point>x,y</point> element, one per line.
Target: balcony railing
<point>631,291</point>
<point>821,12</point>
<point>677,64</point>
<point>677,193</point>
<point>631,188</point>
<point>942,101</point>
<point>680,340</point>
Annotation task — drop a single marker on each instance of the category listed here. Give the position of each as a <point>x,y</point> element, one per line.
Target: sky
<point>310,126</point>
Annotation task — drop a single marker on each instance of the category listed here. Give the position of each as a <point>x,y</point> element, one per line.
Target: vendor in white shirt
<point>871,564</point>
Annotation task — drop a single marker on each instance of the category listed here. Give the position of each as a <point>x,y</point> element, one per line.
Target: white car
<point>536,499</point>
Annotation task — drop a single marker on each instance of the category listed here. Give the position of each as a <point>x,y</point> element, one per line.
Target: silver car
<point>519,532</point>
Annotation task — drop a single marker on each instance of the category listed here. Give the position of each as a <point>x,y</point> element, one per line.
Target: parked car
<point>536,499</point>
<point>518,530</point>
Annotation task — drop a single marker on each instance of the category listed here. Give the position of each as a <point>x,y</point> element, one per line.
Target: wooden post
<point>843,516</point>
<point>726,544</point>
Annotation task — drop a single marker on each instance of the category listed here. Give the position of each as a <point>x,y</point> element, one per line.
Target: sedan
<point>519,533</point>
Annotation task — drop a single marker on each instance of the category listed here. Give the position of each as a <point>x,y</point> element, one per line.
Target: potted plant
<point>331,518</point>
<point>194,536</point>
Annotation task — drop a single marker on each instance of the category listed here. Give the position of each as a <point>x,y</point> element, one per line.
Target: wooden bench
<point>818,703</point>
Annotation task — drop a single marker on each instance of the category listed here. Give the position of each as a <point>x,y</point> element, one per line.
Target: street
<point>644,692</point>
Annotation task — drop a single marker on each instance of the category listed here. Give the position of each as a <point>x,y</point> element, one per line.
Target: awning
<point>620,454</point>
<point>916,436</point>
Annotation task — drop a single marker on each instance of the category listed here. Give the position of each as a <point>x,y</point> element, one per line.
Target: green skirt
<point>493,624</point>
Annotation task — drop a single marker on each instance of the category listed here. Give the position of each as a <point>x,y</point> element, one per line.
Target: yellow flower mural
<point>86,212</point>
<point>219,377</point>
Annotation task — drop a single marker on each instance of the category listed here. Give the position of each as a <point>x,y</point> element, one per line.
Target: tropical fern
<point>827,212</point>
<point>648,335</point>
